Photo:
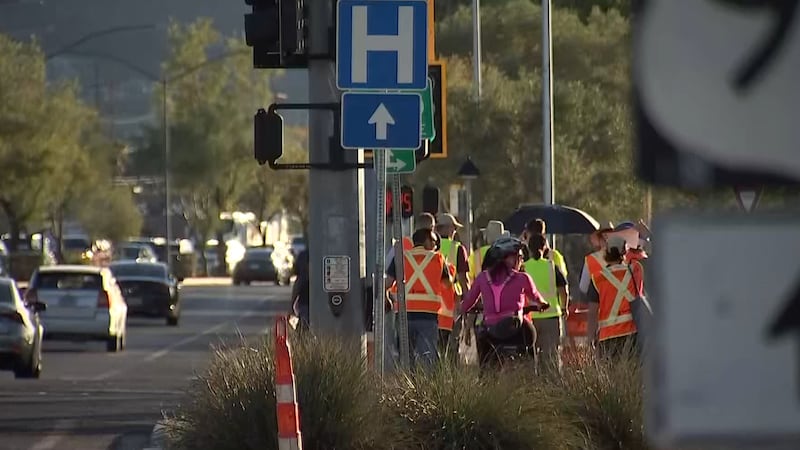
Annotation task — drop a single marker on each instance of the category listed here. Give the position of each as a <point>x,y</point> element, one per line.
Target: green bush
<point>344,406</point>
<point>456,408</point>
<point>606,398</point>
<point>232,405</point>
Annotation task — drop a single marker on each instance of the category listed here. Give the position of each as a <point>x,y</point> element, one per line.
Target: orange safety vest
<point>615,286</point>
<point>594,262</point>
<point>448,294</point>
<point>408,244</point>
<point>423,274</point>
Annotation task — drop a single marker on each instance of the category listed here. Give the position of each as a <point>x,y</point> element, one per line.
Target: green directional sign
<point>428,130</point>
<point>400,161</point>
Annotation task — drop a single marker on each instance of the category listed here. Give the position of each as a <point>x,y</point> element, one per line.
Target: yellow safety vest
<point>476,261</point>
<point>543,272</point>
<point>450,253</point>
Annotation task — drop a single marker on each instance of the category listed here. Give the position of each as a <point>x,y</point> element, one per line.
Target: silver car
<point>21,332</point>
<point>83,303</point>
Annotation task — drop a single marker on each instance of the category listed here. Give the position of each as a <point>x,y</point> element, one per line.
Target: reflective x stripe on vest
<point>611,321</point>
<point>543,272</point>
<point>420,293</point>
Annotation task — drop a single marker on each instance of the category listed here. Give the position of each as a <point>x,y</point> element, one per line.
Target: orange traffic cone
<point>289,437</point>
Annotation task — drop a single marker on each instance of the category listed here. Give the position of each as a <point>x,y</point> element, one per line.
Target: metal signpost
<point>379,311</point>
<point>399,267</point>
<point>735,378</point>
<point>382,45</point>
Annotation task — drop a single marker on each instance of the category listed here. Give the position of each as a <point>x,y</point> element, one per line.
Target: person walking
<point>301,290</point>
<point>538,226</point>
<point>552,285</point>
<point>426,277</point>
<point>594,261</point>
<point>611,323</point>
<point>455,256</point>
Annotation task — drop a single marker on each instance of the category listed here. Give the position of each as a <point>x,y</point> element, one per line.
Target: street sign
<point>747,197</point>
<point>725,365</point>
<point>732,118</point>
<point>381,121</point>
<point>428,129</point>
<point>437,71</point>
<point>401,161</point>
<point>382,44</point>
<point>336,274</point>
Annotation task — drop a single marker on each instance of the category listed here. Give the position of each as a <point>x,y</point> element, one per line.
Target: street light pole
<point>167,176</point>
<point>548,189</point>
<point>476,49</point>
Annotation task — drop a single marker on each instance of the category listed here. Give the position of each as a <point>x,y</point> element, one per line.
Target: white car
<point>84,303</point>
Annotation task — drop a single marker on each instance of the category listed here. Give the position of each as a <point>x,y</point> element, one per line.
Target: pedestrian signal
<point>268,137</point>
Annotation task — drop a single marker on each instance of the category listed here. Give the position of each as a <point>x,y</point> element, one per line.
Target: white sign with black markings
<point>725,366</point>
<point>336,274</point>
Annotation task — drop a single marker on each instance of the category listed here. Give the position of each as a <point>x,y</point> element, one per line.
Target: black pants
<point>486,344</point>
<point>620,347</point>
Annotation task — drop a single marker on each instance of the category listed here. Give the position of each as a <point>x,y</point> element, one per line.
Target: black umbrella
<point>560,219</point>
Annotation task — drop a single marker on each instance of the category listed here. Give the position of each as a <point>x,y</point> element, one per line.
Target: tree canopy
<point>53,149</point>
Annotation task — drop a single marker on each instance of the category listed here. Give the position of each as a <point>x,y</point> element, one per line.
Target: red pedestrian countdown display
<point>406,202</point>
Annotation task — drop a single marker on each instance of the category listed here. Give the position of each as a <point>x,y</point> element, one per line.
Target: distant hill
<point>120,92</point>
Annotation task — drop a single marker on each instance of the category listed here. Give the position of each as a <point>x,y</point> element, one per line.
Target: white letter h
<point>402,44</point>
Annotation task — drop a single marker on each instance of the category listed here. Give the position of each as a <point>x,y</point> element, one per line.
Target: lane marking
<point>52,440</point>
<point>166,350</point>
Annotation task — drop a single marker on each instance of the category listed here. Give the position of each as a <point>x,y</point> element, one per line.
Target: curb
<point>157,437</point>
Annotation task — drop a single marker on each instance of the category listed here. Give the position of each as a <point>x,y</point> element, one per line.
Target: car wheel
<point>113,344</point>
<point>32,368</point>
<point>172,321</point>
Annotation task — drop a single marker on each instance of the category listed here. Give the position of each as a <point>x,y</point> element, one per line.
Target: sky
<point>119,92</point>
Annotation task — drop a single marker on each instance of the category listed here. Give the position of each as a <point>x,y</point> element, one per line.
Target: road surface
<point>88,399</point>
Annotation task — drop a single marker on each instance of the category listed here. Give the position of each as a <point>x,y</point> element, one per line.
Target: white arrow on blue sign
<point>382,44</point>
<point>381,121</point>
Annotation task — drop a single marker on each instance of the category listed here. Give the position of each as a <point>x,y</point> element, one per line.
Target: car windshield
<point>138,270</point>
<point>129,252</point>
<point>67,280</point>
<point>76,244</point>
<point>260,254</point>
<point>6,295</point>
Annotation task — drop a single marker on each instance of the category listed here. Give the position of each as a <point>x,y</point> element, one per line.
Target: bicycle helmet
<point>500,249</point>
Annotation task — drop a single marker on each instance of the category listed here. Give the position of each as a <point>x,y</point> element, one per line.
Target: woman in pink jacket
<point>505,291</point>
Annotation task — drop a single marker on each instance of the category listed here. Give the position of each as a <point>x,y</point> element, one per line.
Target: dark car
<point>262,264</point>
<point>21,332</point>
<point>148,289</point>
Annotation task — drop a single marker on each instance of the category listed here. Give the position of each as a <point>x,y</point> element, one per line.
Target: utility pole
<point>476,49</point>
<point>548,188</point>
<point>336,197</point>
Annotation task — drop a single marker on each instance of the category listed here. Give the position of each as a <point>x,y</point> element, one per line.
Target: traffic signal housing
<point>277,30</point>
<point>268,139</point>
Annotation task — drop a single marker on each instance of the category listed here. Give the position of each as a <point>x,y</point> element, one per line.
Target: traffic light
<point>268,137</point>
<point>430,200</point>
<point>293,27</point>
<point>277,31</point>
<point>262,32</point>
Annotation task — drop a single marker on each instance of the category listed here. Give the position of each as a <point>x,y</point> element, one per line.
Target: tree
<point>282,190</point>
<point>41,130</point>
<point>211,104</point>
<point>592,120</point>
<point>110,212</point>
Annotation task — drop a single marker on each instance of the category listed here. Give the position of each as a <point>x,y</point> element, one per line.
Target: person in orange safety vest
<point>594,261</point>
<point>455,256</point>
<point>426,276</point>
<point>613,288</point>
